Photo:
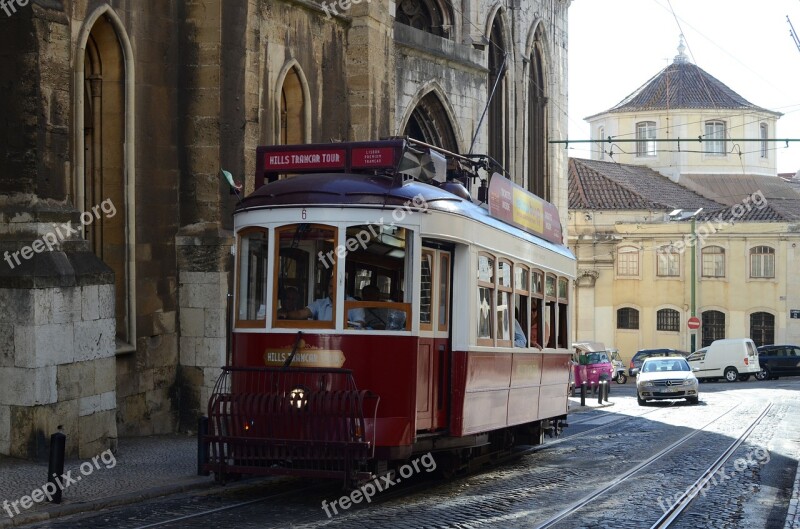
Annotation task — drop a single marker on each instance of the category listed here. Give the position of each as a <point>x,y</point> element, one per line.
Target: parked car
<point>733,358</point>
<point>668,377</point>
<point>639,357</point>
<point>778,361</point>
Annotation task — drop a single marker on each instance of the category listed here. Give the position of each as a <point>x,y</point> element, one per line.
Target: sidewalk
<point>591,402</point>
<point>142,468</point>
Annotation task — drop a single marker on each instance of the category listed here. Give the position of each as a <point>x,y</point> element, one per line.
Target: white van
<point>734,359</point>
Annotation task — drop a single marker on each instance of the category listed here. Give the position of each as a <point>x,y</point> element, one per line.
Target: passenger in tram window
<point>322,310</point>
<point>549,339</point>
<point>374,317</point>
<point>535,325</point>
<point>519,335</point>
<point>379,318</point>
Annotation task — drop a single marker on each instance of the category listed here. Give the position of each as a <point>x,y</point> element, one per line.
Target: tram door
<point>433,355</point>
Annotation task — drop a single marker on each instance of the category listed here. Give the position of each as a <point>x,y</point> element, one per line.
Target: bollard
<point>600,390</point>
<point>55,467</point>
<point>608,389</point>
<point>583,393</point>
<point>202,445</point>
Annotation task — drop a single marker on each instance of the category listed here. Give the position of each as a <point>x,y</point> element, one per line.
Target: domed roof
<point>683,85</point>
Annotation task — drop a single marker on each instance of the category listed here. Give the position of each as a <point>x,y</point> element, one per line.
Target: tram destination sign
<point>518,207</point>
<point>304,160</point>
<point>373,157</point>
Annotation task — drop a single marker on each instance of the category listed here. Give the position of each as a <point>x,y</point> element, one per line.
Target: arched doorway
<point>430,123</point>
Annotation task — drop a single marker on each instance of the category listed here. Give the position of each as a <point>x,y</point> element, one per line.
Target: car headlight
<point>647,384</point>
<point>688,382</point>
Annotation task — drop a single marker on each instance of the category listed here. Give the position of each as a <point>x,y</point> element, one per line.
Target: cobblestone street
<point>602,445</point>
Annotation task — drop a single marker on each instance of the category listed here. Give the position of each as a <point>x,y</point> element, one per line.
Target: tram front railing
<point>294,421</point>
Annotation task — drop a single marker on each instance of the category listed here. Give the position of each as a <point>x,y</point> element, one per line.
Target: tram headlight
<point>298,397</point>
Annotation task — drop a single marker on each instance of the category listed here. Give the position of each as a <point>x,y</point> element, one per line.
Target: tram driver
<point>322,310</point>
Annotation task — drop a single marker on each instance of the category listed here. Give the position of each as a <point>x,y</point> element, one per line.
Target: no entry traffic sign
<point>693,323</point>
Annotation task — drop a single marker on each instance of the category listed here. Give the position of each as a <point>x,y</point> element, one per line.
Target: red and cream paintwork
<point>432,380</point>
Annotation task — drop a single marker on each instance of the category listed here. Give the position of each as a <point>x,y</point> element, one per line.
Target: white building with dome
<point>687,122</point>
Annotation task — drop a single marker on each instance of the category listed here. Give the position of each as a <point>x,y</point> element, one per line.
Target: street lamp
<point>679,214</point>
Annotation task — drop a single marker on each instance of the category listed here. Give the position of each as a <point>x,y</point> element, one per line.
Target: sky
<point>615,46</point>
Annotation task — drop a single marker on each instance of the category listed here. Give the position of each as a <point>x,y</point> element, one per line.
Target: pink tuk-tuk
<point>592,363</point>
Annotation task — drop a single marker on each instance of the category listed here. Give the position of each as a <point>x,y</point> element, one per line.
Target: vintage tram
<point>375,310</point>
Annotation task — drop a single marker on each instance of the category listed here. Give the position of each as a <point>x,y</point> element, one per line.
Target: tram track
<point>686,498</point>
<point>676,509</point>
<point>283,495</point>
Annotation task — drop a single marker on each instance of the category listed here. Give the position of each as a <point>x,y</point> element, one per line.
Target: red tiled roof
<point>606,185</point>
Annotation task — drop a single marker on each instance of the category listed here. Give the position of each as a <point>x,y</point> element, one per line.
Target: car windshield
<point>665,365</point>
<point>596,358</point>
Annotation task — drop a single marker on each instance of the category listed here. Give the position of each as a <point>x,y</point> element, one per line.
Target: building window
<point>426,15</point>
<point>293,109</point>
<point>668,264</point>
<point>498,105</point>
<point>538,173</point>
<point>715,137</point>
<point>601,134</point>
<point>713,322</point>
<point>762,328</point>
<point>645,138</point>
<point>628,261</point>
<point>762,262</point>
<point>627,318</point>
<point>763,131</point>
<point>668,320</point>
<point>713,261</point>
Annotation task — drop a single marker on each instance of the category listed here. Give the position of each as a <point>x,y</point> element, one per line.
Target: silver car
<point>667,377</point>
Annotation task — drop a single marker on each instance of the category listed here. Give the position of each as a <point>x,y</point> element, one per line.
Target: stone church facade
<point>115,228</point>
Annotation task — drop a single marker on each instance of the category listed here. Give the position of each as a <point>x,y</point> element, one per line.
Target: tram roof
<point>346,189</point>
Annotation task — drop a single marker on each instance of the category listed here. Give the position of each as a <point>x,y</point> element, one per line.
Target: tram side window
<point>550,321</point>
<point>504,327</point>
<point>521,294</point>
<point>485,299</point>
<point>252,277</point>
<point>426,291</point>
<point>537,335</point>
<point>563,311</point>
<point>304,284</point>
<point>375,269</point>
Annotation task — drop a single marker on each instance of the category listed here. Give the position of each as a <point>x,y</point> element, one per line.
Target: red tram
<point>374,315</point>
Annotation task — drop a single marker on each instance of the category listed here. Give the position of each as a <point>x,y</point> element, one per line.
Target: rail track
<point>675,510</point>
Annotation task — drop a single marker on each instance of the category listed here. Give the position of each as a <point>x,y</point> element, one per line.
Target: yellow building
<point>665,230</point>
<point>634,287</point>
